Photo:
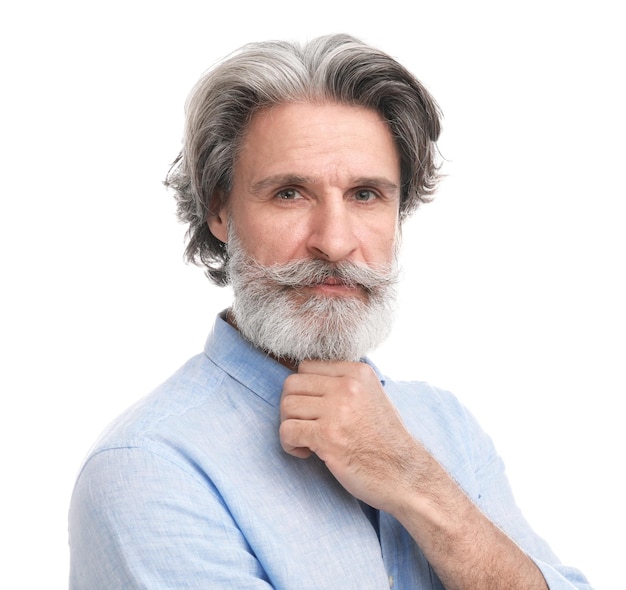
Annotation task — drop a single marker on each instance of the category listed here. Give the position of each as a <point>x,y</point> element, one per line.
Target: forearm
<point>464,547</point>
<point>340,412</point>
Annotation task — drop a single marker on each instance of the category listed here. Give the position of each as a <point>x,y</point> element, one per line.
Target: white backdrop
<point>513,295</point>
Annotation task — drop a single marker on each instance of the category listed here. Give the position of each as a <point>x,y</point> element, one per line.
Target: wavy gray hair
<point>334,68</point>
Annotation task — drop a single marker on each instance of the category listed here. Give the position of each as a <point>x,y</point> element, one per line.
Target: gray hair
<point>334,68</point>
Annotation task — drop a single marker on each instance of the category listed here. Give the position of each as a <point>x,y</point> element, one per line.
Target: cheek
<point>273,242</point>
<point>380,244</point>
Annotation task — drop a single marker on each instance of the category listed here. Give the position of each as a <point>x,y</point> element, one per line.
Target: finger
<point>329,368</point>
<point>356,370</point>
<point>300,452</point>
<point>301,407</point>
<point>309,384</point>
<point>295,437</point>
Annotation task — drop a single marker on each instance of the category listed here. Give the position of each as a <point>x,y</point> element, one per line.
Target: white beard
<point>272,312</point>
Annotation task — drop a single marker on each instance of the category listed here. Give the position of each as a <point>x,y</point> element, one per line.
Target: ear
<point>218,224</point>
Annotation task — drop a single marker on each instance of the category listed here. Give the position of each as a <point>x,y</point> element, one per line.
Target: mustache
<point>298,274</point>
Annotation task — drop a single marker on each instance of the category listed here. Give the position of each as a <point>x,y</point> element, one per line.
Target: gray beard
<point>272,312</point>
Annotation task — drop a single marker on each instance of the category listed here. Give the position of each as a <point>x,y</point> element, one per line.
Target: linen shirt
<point>190,488</point>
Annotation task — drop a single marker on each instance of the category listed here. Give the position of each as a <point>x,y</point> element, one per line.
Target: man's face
<point>318,184</point>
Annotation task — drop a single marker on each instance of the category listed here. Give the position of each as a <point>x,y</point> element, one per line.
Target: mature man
<point>281,457</point>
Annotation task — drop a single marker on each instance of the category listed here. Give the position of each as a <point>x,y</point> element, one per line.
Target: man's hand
<point>340,412</point>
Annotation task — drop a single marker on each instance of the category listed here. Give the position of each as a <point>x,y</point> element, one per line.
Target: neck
<point>291,364</point>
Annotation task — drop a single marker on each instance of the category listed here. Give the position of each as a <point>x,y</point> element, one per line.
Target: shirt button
<point>390,581</point>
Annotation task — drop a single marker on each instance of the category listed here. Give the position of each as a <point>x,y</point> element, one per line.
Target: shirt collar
<point>249,365</point>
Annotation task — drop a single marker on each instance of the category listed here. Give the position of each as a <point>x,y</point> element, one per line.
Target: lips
<point>333,281</point>
<point>334,287</point>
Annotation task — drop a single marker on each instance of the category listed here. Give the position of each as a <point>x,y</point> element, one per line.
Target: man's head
<point>311,228</point>
<point>335,69</point>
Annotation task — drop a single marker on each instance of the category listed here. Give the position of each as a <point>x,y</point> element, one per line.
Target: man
<point>281,457</point>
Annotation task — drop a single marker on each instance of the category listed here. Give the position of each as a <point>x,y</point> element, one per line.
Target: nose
<point>332,231</point>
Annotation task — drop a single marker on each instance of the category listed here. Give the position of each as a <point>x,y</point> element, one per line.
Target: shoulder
<point>152,423</point>
<point>429,401</point>
<point>438,419</point>
<point>197,417</point>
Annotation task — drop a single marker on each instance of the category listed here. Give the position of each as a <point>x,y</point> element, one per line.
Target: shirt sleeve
<point>139,520</point>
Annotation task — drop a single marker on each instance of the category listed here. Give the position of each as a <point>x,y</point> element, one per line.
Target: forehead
<point>318,139</point>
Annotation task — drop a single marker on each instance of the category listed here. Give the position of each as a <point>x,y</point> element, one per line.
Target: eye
<point>365,195</point>
<point>288,194</point>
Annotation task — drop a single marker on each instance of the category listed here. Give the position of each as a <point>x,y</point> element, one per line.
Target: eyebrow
<point>280,180</point>
<point>381,183</point>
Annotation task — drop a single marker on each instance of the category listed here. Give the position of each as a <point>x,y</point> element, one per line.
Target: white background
<point>514,277</point>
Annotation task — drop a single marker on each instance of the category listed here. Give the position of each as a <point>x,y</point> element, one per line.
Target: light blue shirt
<point>190,488</point>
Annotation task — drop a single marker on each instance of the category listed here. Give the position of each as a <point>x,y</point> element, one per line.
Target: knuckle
<point>363,371</point>
<point>288,404</point>
<point>286,431</point>
<point>352,387</point>
<point>290,382</point>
